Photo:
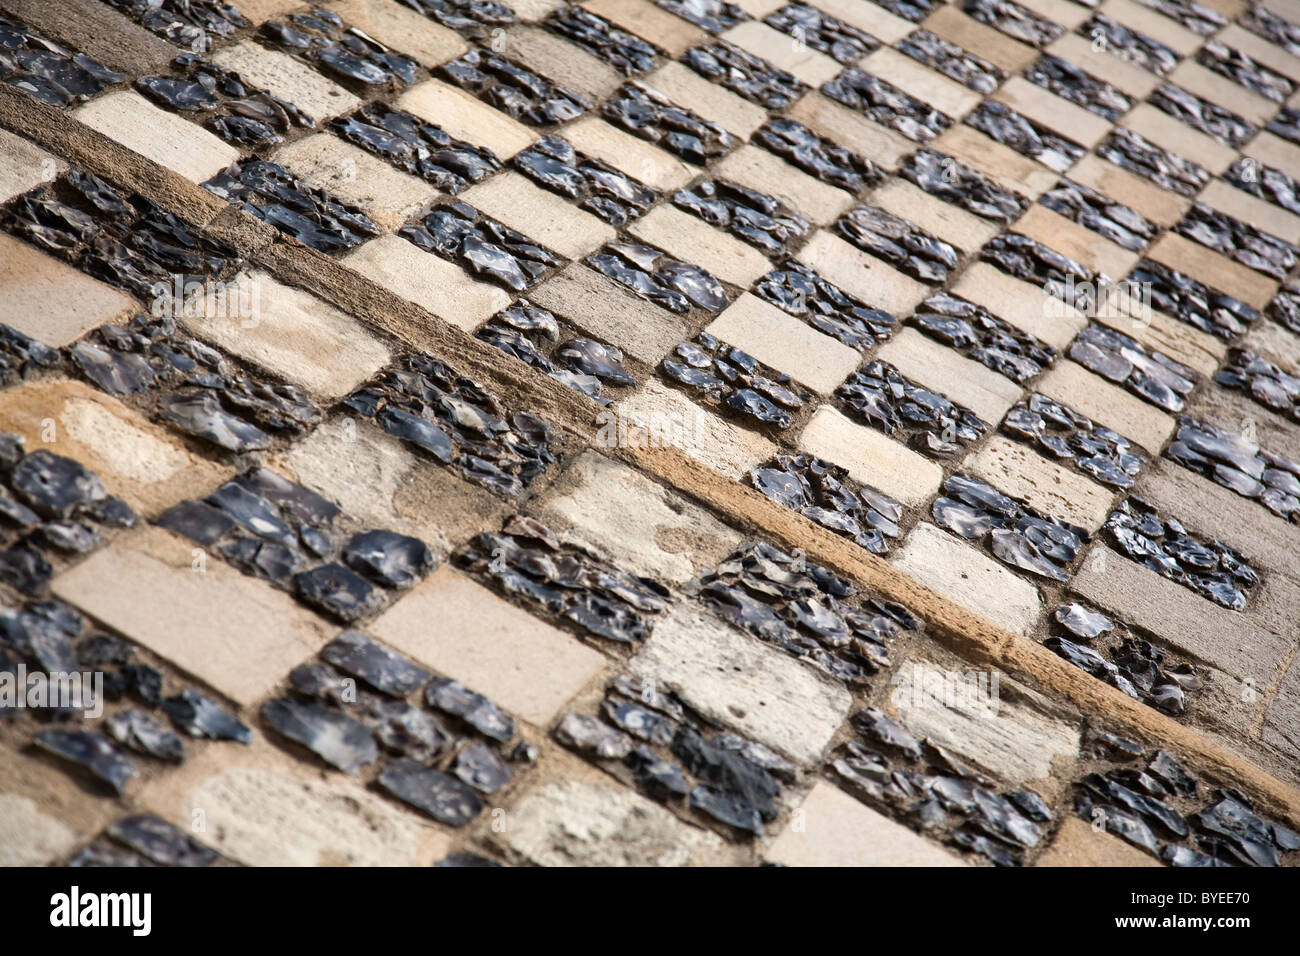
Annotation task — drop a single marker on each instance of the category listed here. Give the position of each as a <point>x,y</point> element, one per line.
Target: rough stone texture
<point>1226,639</point>
<point>691,239</point>
<point>387,195</point>
<point>1212,269</point>
<point>234,632</point>
<point>950,223</point>
<point>870,457</point>
<point>1076,242</point>
<point>1273,341</point>
<point>1273,151</point>
<point>653,166</point>
<point>717,104</point>
<point>71,302</point>
<point>899,70</point>
<point>431,282</point>
<point>1176,136</point>
<point>962,573</point>
<point>380,483</point>
<point>715,442</point>
<point>757,169</point>
<point>779,49</point>
<point>580,823</point>
<point>465,117</point>
<point>400,27</point>
<point>734,680</point>
<point>30,837</point>
<point>949,22</point>
<point>261,808</point>
<point>1019,471</point>
<point>1000,163</point>
<point>1107,404</point>
<point>1077,844</point>
<point>788,345</point>
<point>1051,111</point>
<point>836,830</point>
<point>560,61</point>
<point>1178,340</point>
<point>642,527</point>
<point>522,664</point>
<point>1159,205</point>
<point>884,147</point>
<point>1016,734</point>
<point>1026,306</point>
<point>603,308</point>
<point>860,274</point>
<point>1242,205</point>
<point>539,214</point>
<point>963,380</point>
<point>288,79</point>
<point>24,166</point>
<point>163,137</point>
<point>294,335</point>
<point>650,23</point>
<point>136,459</point>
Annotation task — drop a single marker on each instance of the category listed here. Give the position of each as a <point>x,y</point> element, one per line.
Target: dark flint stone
<point>740,71</point>
<point>1131,151</point>
<point>1238,240</point>
<point>886,105</point>
<point>951,181</point>
<point>823,32</point>
<point>92,753</point>
<point>383,669</point>
<point>593,737</point>
<point>442,797</point>
<point>971,71</point>
<point>801,292</point>
<point>479,766</point>
<point>451,697</point>
<point>1209,118</point>
<point>1013,20</point>
<point>1090,209</point>
<point>899,242</point>
<point>1136,48</point>
<point>199,413</point>
<point>159,841</point>
<point>620,49</point>
<point>145,734</point>
<point>54,485</point>
<point>50,72</point>
<point>514,89</point>
<point>660,778</point>
<point>325,40</point>
<point>1241,69</point>
<point>1067,435</point>
<point>728,807</point>
<point>713,15</point>
<point>822,492</point>
<point>1004,125</point>
<point>405,730</point>
<point>817,155</point>
<point>201,716</point>
<point>466,859</point>
<point>471,18</point>
<point>885,399</point>
<point>338,591</point>
<point>744,785</point>
<point>391,559</point>
<point>879,729</point>
<point>1145,372</point>
<point>336,738</point>
<point>1071,83</point>
<point>420,148</point>
<point>648,114</point>
<point>1082,622</point>
<point>976,332</point>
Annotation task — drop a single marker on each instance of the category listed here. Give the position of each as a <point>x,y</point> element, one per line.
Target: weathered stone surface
<point>518,661</point>
<point>71,303</point>
<point>1016,734</point>
<point>1019,471</point>
<point>860,274</point>
<point>962,380</point>
<point>466,117</point>
<point>731,678</point>
<point>539,214</point>
<point>24,166</point>
<point>962,573</point>
<point>836,830</point>
<point>290,80</point>
<point>163,137</point>
<point>580,823</point>
<point>870,457</point>
<point>1107,404</point>
<point>235,632</point>
<point>294,335</point>
<point>693,240</point>
<point>31,837</point>
<point>641,526</point>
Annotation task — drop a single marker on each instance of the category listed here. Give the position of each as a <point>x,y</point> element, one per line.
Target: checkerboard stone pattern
<point>628,392</point>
